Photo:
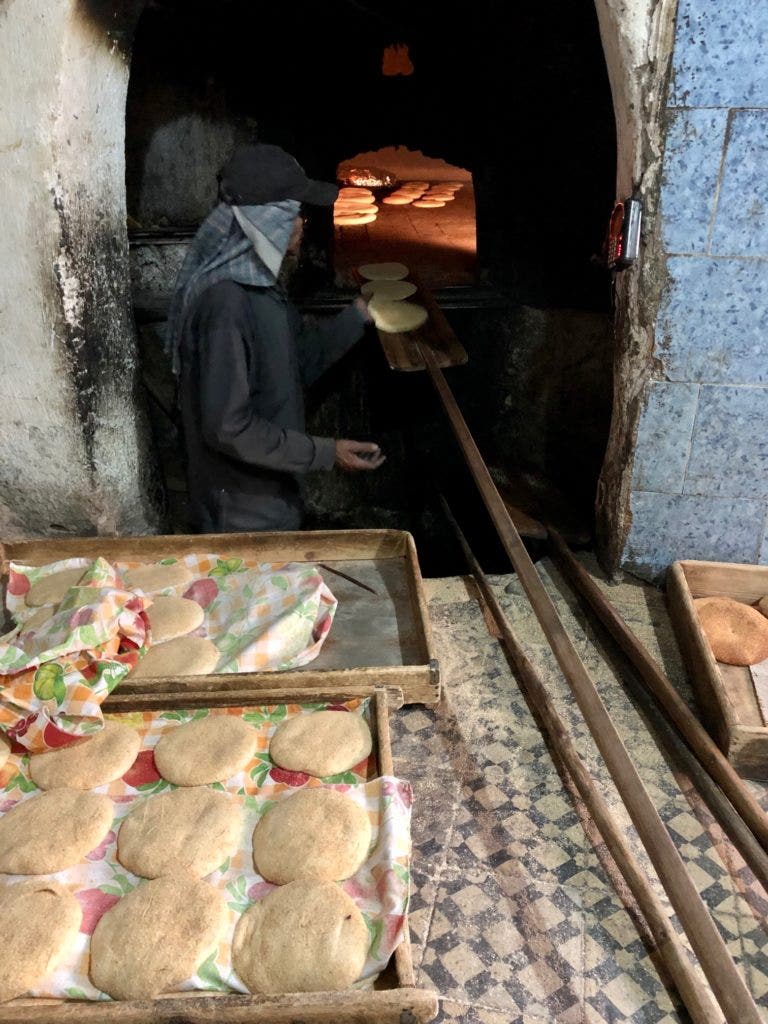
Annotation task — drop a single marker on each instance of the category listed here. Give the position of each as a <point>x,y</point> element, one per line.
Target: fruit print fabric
<point>54,677</point>
<point>380,888</point>
<point>263,617</point>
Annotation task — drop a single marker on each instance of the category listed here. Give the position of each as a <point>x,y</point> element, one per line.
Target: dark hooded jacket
<point>246,357</point>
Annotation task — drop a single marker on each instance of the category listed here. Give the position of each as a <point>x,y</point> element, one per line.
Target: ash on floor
<point>514,919</point>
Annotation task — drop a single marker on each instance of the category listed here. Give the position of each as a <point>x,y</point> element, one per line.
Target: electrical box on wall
<point>622,244</point>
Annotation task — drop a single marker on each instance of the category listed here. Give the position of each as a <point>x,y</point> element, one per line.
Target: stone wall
<point>700,478</point>
<point>74,451</point>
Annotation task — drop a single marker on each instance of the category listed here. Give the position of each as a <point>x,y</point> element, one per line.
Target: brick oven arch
<point>73,439</point>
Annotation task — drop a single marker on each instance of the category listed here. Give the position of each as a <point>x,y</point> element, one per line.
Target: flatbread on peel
<point>192,830</point>
<point>206,750</point>
<point>151,578</point>
<point>184,656</point>
<point>383,271</point>
<point>392,290</point>
<point>349,220</point>
<point>51,589</point>
<point>315,833</point>
<point>171,617</point>
<point>52,831</point>
<point>321,743</point>
<point>87,763</point>
<point>39,922</point>
<point>306,936</point>
<point>156,937</point>
<point>397,317</point>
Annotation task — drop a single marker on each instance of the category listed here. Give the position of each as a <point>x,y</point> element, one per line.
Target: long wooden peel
<point>697,1000</point>
<point>721,972</point>
<point>677,712</point>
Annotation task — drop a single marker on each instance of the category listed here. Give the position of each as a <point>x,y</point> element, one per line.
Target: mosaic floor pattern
<point>514,919</point>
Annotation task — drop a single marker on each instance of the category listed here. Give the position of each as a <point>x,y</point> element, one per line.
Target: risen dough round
<point>156,937</point>
<point>184,656</point>
<point>315,833</point>
<point>87,763</point>
<point>52,831</point>
<point>39,922</point>
<point>171,617</point>
<point>192,830</point>
<point>322,743</point>
<point>205,750</point>
<point>306,936</point>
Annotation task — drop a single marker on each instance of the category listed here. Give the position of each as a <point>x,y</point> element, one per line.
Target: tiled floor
<point>513,917</point>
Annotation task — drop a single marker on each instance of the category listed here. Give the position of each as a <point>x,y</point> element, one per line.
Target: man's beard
<point>288,269</point>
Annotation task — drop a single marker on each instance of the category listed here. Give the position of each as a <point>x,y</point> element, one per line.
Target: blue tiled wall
<point>700,481</point>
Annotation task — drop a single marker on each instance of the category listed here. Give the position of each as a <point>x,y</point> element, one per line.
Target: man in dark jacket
<point>244,354</point>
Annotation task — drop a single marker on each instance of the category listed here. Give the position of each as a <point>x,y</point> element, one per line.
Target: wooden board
<point>394,1000</point>
<point>725,693</point>
<point>383,638</point>
<point>401,350</point>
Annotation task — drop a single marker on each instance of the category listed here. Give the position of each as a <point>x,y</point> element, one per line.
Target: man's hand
<point>361,304</point>
<point>353,456</point>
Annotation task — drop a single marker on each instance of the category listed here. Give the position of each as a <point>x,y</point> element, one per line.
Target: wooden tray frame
<point>420,683</point>
<point>725,693</point>
<point>398,1001</point>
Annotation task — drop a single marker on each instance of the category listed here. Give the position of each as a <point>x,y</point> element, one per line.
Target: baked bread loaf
<point>736,632</point>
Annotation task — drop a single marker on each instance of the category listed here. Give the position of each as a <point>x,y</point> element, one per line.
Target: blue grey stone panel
<point>763,559</point>
<point>664,437</point>
<point>692,157</point>
<point>668,527</point>
<point>729,453</point>
<point>741,221</point>
<point>713,323</point>
<point>721,54</point>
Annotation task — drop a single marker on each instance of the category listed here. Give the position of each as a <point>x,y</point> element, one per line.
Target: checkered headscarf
<point>246,244</point>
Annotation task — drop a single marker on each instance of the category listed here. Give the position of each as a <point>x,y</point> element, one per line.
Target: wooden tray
<point>383,638</point>
<point>394,1000</point>
<point>725,693</point>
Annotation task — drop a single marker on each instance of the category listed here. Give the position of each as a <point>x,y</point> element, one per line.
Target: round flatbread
<point>306,936</point>
<point>349,220</point>
<point>347,201</point>
<point>5,748</point>
<point>156,937</point>
<point>52,831</point>
<point>170,617</point>
<point>383,271</point>
<point>39,922</point>
<point>322,743</point>
<point>206,750</point>
<point>397,317</point>
<point>51,589</point>
<point>428,204</point>
<point>315,833</point>
<point>737,633</point>
<point>152,578</point>
<point>350,191</point>
<point>397,200</point>
<point>415,184</point>
<point>185,656</point>
<point>192,830</point>
<point>87,763</point>
<point>392,290</point>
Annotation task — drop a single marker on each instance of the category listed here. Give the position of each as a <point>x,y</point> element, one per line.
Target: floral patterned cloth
<point>262,617</point>
<point>54,678</point>
<point>380,888</point>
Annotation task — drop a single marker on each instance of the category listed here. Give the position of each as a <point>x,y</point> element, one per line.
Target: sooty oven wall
<point>517,95</point>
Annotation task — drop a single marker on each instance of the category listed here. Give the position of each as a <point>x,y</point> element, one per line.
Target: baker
<point>244,354</point>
